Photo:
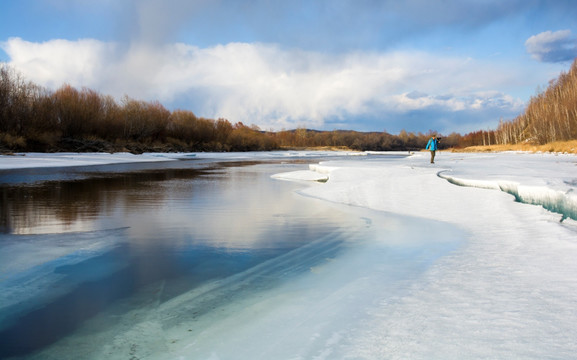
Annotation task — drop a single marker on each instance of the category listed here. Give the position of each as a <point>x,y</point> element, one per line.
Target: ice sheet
<point>511,292</point>
<point>39,160</point>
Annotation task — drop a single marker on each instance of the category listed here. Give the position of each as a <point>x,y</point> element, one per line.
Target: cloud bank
<point>549,46</point>
<point>271,86</point>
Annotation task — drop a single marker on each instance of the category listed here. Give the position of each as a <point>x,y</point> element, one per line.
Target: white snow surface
<point>454,268</point>
<point>509,292</point>
<point>40,160</point>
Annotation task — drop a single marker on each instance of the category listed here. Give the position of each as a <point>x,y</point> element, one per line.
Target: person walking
<point>432,145</point>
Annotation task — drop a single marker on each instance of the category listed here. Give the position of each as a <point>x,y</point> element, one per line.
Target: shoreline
<point>558,147</point>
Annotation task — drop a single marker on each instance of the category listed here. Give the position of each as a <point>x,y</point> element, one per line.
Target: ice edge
<point>564,203</point>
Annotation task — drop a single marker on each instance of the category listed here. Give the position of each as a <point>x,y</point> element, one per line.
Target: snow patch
<point>301,175</point>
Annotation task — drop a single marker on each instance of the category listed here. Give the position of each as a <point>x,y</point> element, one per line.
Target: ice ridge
<point>564,203</point>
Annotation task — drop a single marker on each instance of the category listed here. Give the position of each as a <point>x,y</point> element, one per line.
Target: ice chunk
<point>302,175</point>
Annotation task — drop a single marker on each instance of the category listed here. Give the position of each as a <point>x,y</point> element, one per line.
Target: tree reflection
<point>64,204</point>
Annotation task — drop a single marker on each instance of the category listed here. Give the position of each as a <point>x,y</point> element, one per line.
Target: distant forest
<point>33,118</point>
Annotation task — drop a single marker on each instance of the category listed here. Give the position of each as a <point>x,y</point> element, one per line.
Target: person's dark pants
<point>432,156</point>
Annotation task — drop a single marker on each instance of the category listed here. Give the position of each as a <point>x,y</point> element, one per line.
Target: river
<point>86,241</point>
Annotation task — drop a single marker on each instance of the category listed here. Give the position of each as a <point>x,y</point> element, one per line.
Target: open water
<point>89,245</point>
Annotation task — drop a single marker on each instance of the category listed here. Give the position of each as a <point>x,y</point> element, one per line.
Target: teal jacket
<point>432,144</point>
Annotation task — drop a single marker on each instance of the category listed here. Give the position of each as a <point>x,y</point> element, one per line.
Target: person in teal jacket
<point>433,145</point>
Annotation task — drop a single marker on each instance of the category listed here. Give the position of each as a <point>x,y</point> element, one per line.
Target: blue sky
<point>367,65</point>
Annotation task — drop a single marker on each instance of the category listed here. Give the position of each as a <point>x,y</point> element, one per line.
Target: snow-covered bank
<point>547,180</point>
<point>43,160</point>
<point>40,160</point>
<point>510,292</point>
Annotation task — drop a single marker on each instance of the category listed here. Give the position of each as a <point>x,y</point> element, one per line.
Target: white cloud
<point>477,101</point>
<point>551,46</point>
<point>54,62</point>
<point>265,84</point>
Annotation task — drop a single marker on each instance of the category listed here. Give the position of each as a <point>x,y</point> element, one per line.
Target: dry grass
<point>316,148</point>
<point>569,147</point>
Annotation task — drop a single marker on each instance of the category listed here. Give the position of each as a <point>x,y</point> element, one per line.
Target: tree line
<point>550,116</point>
<point>33,118</point>
<point>363,141</point>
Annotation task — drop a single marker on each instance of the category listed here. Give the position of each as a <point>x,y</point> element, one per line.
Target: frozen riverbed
<point>442,263</point>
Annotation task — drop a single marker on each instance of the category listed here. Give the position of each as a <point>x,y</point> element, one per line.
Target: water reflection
<point>175,230</point>
<point>66,205</point>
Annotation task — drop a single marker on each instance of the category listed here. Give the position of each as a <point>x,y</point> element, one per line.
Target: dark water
<point>79,240</point>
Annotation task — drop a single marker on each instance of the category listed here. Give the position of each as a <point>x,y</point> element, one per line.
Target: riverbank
<point>568,147</point>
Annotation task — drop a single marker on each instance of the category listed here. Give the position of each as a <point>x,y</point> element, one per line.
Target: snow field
<point>510,292</point>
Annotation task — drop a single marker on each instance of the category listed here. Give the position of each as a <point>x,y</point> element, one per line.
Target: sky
<point>365,65</point>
